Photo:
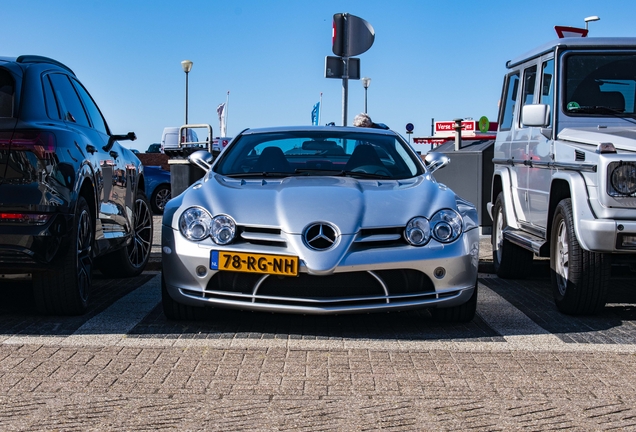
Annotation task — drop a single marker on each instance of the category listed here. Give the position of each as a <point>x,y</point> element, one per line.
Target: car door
<point>540,153</point>
<point>105,163</point>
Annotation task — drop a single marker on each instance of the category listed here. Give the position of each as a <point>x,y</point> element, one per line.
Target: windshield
<point>600,84</point>
<point>319,153</point>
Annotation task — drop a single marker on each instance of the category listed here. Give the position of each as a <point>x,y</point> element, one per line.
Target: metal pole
<point>365,100</point>
<point>186,101</point>
<point>345,71</point>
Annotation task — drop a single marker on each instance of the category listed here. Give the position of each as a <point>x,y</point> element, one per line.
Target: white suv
<point>564,183</point>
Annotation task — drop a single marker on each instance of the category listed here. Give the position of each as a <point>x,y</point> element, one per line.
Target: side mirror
<point>435,161</point>
<point>535,115</point>
<point>202,158</point>
<point>130,136</point>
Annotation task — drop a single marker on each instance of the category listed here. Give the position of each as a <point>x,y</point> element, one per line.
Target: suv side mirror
<point>435,161</point>
<point>535,115</point>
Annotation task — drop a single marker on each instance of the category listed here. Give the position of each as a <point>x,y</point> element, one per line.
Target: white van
<point>170,138</point>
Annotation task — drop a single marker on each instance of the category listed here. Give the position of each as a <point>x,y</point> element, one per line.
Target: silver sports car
<point>319,220</point>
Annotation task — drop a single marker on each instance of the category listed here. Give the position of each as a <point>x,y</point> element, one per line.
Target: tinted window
<point>529,79</point>
<point>93,111</point>
<point>68,100</point>
<point>600,84</point>
<point>7,90</point>
<point>507,109</point>
<point>49,99</point>
<point>318,154</point>
<point>547,84</point>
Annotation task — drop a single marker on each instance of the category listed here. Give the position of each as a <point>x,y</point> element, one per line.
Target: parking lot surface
<point>519,365</point>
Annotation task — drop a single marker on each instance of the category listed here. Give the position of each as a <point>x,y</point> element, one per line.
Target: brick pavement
<point>202,388</point>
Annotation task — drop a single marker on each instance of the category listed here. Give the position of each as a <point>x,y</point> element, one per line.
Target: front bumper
<point>606,235</point>
<point>444,275</point>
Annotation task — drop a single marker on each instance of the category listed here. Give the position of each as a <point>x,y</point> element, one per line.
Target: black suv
<point>71,197</point>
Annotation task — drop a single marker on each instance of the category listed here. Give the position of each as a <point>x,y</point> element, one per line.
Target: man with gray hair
<point>363,120</point>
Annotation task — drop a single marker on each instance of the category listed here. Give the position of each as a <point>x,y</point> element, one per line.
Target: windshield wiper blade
<point>595,109</point>
<point>260,174</point>
<point>362,174</point>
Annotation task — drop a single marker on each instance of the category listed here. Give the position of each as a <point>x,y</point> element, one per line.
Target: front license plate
<point>254,263</point>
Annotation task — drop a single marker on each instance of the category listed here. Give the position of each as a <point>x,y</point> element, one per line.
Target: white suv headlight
<point>623,178</point>
<point>194,224</point>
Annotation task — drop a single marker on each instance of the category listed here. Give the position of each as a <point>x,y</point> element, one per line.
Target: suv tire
<point>131,260</point>
<point>65,290</point>
<point>580,278</point>
<point>510,261</point>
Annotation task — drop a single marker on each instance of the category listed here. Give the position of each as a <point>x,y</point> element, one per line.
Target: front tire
<point>177,311</point>
<point>132,259</point>
<point>580,278</point>
<point>461,314</point>
<point>510,261</point>
<point>66,289</point>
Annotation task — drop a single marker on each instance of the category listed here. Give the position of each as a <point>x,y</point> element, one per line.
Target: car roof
<point>326,129</point>
<point>574,42</point>
<point>35,59</point>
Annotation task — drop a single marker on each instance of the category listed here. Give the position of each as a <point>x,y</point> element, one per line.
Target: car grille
<point>15,258</point>
<point>338,290</point>
<point>366,238</point>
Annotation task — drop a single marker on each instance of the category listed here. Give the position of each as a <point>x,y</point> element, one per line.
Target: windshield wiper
<point>599,109</point>
<point>260,174</point>
<point>362,174</point>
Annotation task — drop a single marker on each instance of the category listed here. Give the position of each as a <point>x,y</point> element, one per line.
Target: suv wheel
<point>510,261</point>
<point>65,290</point>
<point>131,260</point>
<point>580,278</point>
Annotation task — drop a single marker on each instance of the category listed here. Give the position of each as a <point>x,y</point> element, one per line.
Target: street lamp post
<point>590,18</point>
<point>365,83</point>
<point>187,67</point>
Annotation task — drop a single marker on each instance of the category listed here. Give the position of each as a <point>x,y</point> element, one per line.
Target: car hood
<point>623,138</point>
<point>294,202</point>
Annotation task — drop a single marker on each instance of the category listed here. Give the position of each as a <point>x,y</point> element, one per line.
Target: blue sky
<point>430,59</point>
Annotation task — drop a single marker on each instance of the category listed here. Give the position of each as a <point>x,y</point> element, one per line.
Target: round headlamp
<point>418,231</point>
<point>623,179</point>
<point>194,223</point>
<point>446,226</point>
<point>223,229</point>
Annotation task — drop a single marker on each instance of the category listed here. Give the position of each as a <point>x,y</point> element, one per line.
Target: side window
<point>547,84</point>
<point>49,99</point>
<point>93,111</point>
<point>68,100</point>
<point>7,90</point>
<point>507,107</point>
<point>529,79</point>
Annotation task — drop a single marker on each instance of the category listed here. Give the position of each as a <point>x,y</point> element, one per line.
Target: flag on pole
<point>315,113</point>
<point>220,110</point>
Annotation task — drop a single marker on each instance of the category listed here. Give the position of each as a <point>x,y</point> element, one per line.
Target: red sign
<point>446,128</point>
<point>563,31</point>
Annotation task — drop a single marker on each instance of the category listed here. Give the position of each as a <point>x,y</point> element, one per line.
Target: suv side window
<point>7,89</point>
<point>507,108</point>
<point>49,99</point>
<point>529,79</point>
<point>547,84</point>
<point>94,113</point>
<point>68,100</point>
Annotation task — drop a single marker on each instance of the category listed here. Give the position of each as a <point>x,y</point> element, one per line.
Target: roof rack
<point>42,59</point>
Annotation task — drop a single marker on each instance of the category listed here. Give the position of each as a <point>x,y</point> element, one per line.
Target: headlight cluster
<point>197,224</point>
<point>622,179</point>
<point>445,226</point>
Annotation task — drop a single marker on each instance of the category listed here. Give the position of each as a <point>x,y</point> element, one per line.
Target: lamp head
<point>186,65</point>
